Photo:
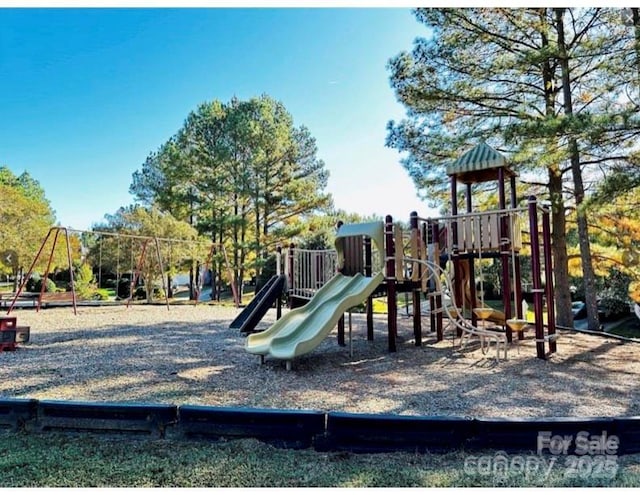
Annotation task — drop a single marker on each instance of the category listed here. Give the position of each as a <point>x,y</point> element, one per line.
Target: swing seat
<point>483,313</point>
<point>516,324</point>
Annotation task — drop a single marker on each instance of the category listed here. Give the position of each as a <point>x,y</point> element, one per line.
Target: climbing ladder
<point>442,288</point>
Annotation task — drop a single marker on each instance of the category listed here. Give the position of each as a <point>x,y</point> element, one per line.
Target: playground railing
<point>481,231</point>
<point>307,270</point>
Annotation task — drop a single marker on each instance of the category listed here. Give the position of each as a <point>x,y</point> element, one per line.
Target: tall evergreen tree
<point>513,77</point>
<point>247,173</point>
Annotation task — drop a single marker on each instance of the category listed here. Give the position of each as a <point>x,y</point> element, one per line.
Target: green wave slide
<point>303,329</point>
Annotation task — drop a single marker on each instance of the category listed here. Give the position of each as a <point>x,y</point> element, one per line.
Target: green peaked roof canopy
<point>479,164</point>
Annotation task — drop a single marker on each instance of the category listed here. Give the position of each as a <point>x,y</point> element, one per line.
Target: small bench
<point>56,297</point>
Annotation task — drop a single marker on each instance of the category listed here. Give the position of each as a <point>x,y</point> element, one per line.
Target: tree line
<point>556,89</point>
<point>25,218</point>
<point>238,176</point>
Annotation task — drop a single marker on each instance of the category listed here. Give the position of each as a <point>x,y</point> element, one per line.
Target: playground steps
<point>11,334</point>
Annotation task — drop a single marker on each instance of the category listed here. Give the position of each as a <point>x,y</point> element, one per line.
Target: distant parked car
<point>579,310</point>
<point>605,313</point>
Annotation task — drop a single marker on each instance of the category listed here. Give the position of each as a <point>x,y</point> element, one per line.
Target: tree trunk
<point>243,251</point>
<point>635,16</point>
<point>192,283</point>
<point>196,282</point>
<point>148,285</point>
<point>220,268</point>
<point>257,234</point>
<point>564,315</point>
<point>236,240</point>
<point>588,273</point>
<point>17,279</point>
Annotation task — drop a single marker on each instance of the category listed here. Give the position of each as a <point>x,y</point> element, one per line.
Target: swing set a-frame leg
<point>46,274</point>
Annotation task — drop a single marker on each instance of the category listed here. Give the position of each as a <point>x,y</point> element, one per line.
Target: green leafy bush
<point>34,284</point>
<point>101,295</point>
<point>612,308</point>
<point>83,282</point>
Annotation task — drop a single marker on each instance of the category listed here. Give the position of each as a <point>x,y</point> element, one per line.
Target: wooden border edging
<point>16,413</point>
<point>151,419</point>
<point>628,429</point>
<point>333,431</point>
<point>283,428</point>
<point>387,433</point>
<point>519,434</point>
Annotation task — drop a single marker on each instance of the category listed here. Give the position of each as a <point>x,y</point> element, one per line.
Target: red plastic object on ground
<point>11,333</point>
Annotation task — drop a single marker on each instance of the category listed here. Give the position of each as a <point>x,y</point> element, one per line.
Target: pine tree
<point>248,174</point>
<point>538,85</point>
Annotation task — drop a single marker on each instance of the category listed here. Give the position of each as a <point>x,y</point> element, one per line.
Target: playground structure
<point>498,234</point>
<point>437,259</point>
<point>302,329</point>
<point>145,245</point>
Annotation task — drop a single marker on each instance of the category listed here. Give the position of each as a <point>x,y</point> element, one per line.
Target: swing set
<point>146,244</point>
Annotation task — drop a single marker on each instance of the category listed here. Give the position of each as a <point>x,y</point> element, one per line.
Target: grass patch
<point>380,305</point>
<point>627,327</point>
<point>247,297</point>
<point>104,294</point>
<point>57,460</point>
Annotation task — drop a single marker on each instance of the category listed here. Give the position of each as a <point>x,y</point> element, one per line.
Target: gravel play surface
<point>188,355</point>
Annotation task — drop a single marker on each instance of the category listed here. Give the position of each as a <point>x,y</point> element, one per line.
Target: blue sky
<point>87,94</point>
